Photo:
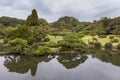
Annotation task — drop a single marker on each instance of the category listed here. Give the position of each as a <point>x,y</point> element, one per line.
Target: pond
<point>60,67</point>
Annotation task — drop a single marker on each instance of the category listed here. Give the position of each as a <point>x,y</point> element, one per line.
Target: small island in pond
<point>35,36</point>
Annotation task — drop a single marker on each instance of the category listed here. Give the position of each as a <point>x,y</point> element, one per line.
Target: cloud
<point>84,10</point>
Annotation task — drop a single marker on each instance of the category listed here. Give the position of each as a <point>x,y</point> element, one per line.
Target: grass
<point>55,39</point>
<point>1,40</point>
<point>85,39</point>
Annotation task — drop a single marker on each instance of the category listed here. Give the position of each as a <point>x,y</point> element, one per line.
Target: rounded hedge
<point>91,42</point>
<point>118,46</point>
<point>108,45</point>
<point>115,40</point>
<point>111,37</point>
<point>97,45</point>
<point>46,39</point>
<point>42,50</point>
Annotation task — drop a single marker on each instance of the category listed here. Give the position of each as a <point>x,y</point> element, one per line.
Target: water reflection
<point>71,60</point>
<point>112,57</point>
<point>22,64</point>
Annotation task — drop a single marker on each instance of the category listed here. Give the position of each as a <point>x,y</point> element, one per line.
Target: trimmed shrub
<point>91,42</point>
<point>97,45</point>
<point>95,39</point>
<point>108,45</point>
<point>118,46</point>
<point>52,44</point>
<point>111,37</point>
<point>42,50</point>
<point>16,45</point>
<point>115,40</point>
<point>46,39</point>
<point>102,36</point>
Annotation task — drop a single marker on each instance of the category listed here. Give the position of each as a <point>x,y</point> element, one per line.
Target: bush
<point>52,44</point>
<point>115,40</point>
<point>42,50</point>
<point>16,45</point>
<point>80,35</point>
<point>111,37</point>
<point>108,45</point>
<point>46,39</point>
<point>72,41</point>
<point>102,36</point>
<point>91,42</point>
<point>118,46</point>
<point>95,39</point>
<point>97,45</point>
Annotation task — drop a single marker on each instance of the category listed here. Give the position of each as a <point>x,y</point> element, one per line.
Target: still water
<point>63,67</point>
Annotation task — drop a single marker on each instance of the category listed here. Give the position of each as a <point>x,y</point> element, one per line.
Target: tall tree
<point>32,20</point>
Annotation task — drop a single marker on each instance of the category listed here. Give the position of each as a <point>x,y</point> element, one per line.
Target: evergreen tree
<point>32,19</point>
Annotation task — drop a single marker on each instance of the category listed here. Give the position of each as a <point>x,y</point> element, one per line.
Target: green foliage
<point>108,45</point>
<point>39,34</point>
<point>100,32</point>
<point>7,21</point>
<point>23,32</point>
<point>80,35</point>
<point>69,23</point>
<point>32,19</point>
<point>102,36</point>
<point>16,45</point>
<point>115,40</point>
<point>72,41</point>
<point>52,44</point>
<point>35,34</point>
<point>97,45</point>
<point>42,50</point>
<point>2,33</point>
<point>91,42</point>
<point>43,22</point>
<point>111,37</point>
<point>118,46</point>
<point>93,33</point>
<point>46,39</point>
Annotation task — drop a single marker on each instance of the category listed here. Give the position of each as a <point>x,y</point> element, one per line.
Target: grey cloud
<point>84,10</point>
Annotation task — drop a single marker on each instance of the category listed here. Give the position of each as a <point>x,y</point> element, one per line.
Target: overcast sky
<point>51,10</point>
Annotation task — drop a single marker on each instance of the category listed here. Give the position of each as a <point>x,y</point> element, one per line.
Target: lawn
<point>55,39</point>
<point>1,40</point>
<point>85,39</point>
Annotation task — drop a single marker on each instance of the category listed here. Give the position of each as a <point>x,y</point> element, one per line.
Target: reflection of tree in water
<point>22,64</point>
<point>108,56</point>
<point>71,60</point>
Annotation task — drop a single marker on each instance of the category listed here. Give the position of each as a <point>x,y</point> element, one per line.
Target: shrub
<point>42,50</point>
<point>91,42</point>
<point>94,39</point>
<point>111,37</point>
<point>115,40</point>
<point>72,41</point>
<point>52,44</point>
<point>80,35</point>
<point>118,46</point>
<point>46,39</point>
<point>16,45</point>
<point>97,45</point>
<point>102,36</point>
<point>108,45</point>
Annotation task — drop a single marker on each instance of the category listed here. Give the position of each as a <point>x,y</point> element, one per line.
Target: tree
<point>72,41</point>
<point>39,34</point>
<point>16,45</point>
<point>22,32</point>
<point>32,19</point>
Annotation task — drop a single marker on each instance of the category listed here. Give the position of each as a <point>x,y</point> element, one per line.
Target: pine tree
<point>32,19</point>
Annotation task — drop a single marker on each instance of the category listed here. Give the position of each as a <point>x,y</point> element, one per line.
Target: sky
<point>52,10</point>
